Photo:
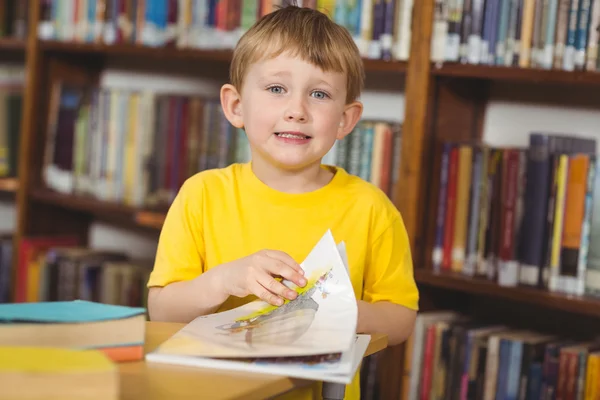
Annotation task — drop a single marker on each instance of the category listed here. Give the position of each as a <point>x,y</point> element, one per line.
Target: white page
<point>341,371</point>
<point>321,321</point>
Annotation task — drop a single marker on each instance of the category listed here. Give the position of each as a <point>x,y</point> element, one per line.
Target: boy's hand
<point>256,273</point>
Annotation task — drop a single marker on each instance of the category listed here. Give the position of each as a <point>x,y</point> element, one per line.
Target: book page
<point>339,368</point>
<point>321,320</point>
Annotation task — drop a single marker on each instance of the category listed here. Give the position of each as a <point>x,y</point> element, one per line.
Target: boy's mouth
<point>292,135</point>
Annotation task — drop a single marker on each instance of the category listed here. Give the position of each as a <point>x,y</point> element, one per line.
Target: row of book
<point>12,78</point>
<point>381,29</point>
<point>134,147</point>
<point>60,268</point>
<point>372,152</point>
<point>521,216</point>
<point>452,356</point>
<point>550,34</point>
<point>13,19</point>
<point>138,148</point>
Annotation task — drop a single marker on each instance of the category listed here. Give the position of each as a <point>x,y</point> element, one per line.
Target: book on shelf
<point>453,355</point>
<point>12,84</point>
<point>380,29</point>
<point>6,258</point>
<point>521,216</point>
<point>312,337</point>
<point>553,34</point>
<point>138,147</point>
<point>117,331</point>
<point>13,19</point>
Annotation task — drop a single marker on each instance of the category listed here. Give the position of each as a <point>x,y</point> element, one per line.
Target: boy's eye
<point>320,94</point>
<point>275,89</point>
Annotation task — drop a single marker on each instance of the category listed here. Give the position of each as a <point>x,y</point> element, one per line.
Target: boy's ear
<point>231,102</point>
<point>350,117</point>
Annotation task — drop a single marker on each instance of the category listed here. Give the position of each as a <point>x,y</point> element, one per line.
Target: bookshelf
<point>515,74</point>
<point>581,305</point>
<point>183,54</point>
<point>443,102</point>
<point>149,221</point>
<point>12,45</point>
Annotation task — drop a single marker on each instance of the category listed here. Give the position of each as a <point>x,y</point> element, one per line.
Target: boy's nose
<point>296,111</point>
<point>295,116</point>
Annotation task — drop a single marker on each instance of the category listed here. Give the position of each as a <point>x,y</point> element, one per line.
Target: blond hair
<point>305,33</point>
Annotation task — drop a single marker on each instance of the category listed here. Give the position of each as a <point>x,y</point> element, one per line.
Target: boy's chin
<point>296,164</point>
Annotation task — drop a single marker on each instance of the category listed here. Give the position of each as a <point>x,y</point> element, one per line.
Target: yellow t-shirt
<point>222,215</point>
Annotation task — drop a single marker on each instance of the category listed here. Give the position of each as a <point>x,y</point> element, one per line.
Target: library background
<point>481,120</point>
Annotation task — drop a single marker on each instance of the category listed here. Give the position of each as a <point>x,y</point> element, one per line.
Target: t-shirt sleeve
<point>180,246</point>
<point>389,270</point>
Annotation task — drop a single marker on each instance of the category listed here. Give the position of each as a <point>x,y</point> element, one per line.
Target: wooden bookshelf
<point>11,44</point>
<point>104,210</point>
<point>585,305</point>
<point>514,74</point>
<point>173,53</point>
<point>130,50</point>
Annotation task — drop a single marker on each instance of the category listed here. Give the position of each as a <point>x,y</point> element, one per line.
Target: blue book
<point>77,311</point>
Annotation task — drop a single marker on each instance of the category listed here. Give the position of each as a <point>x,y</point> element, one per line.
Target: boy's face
<point>292,111</point>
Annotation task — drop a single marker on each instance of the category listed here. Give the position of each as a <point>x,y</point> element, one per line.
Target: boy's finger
<point>282,269</point>
<point>265,294</point>
<point>276,287</point>
<point>285,258</point>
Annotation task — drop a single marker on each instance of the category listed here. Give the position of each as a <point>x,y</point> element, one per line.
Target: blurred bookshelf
<point>115,212</point>
<point>584,305</point>
<point>12,44</point>
<point>184,54</point>
<point>515,74</point>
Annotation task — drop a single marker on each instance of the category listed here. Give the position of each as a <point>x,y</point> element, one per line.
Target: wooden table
<point>148,381</point>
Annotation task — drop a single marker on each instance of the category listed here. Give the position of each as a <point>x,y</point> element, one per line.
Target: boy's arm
<point>183,301</point>
<point>394,320</point>
<point>390,295</point>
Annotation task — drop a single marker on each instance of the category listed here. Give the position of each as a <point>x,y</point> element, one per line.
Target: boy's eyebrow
<point>332,87</point>
<point>278,73</point>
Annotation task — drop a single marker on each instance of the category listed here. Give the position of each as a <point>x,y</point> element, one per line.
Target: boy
<point>295,80</point>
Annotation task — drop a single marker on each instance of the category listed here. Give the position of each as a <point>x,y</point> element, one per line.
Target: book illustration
<point>286,323</point>
<point>320,320</point>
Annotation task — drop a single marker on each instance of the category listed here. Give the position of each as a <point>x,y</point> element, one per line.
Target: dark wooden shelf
<point>585,305</point>
<point>514,74</point>
<point>134,51</point>
<point>130,50</point>
<point>12,44</point>
<point>110,211</point>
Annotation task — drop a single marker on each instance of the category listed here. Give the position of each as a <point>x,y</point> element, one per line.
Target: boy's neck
<point>308,179</point>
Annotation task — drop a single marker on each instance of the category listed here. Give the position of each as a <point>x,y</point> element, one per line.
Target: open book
<point>313,336</point>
